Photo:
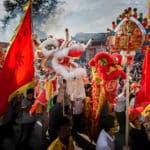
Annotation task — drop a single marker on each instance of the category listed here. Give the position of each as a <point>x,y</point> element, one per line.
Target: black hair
<point>107,122</point>
<point>64,81</point>
<point>87,86</point>
<point>135,9</point>
<point>30,91</point>
<point>63,121</point>
<point>55,99</point>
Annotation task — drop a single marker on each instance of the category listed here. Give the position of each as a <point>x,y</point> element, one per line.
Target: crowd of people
<point>67,118</point>
<point>63,120</point>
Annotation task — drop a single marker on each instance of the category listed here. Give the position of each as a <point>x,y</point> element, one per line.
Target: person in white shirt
<point>106,138</point>
<point>119,108</point>
<point>77,115</point>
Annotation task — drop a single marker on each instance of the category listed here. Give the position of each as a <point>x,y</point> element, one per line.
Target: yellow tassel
<point>25,7</point>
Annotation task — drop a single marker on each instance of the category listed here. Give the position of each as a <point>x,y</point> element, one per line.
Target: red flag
<point>18,70</point>
<point>143,96</point>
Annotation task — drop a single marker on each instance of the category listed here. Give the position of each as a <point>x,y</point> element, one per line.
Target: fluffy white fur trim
<point>49,41</point>
<point>68,73</point>
<point>65,51</point>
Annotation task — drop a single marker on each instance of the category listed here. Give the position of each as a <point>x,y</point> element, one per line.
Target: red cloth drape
<point>18,67</point>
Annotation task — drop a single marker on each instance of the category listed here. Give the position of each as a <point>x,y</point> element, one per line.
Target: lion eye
<point>50,46</point>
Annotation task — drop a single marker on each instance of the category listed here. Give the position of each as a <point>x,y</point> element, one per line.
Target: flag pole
<point>130,59</point>
<point>148,15</point>
<point>127,106</point>
<point>31,17</point>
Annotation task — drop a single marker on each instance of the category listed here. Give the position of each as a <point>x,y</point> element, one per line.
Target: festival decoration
<point>135,13</point>
<point>63,64</point>
<point>54,58</point>
<point>106,69</point>
<point>130,34</point>
<point>46,77</point>
<point>46,85</point>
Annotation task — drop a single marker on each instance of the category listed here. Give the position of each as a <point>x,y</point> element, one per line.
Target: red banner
<point>18,67</point>
<point>143,96</point>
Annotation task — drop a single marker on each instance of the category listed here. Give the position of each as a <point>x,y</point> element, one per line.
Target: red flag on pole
<point>18,71</point>
<point>143,96</point>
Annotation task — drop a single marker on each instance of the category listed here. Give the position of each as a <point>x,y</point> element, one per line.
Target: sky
<point>88,16</point>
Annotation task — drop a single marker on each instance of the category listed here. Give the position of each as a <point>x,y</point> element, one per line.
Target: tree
<point>40,8</point>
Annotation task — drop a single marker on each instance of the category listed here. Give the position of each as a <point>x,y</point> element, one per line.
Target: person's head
<point>30,94</point>
<point>146,114</point>
<point>109,124</point>
<point>123,92</point>
<point>135,9</point>
<point>64,129</point>
<point>54,99</point>
<point>88,89</point>
<point>62,83</point>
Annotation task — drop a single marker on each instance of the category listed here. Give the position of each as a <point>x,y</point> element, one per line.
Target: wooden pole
<point>127,106</point>
<point>63,105</point>
<point>31,17</point>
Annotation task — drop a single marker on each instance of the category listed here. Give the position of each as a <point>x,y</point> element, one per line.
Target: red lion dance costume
<point>106,69</point>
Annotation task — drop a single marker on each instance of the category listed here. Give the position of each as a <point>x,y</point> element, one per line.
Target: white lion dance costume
<point>57,59</point>
<point>63,64</point>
